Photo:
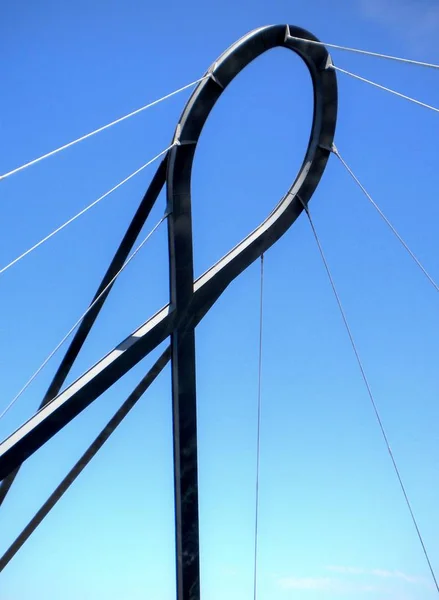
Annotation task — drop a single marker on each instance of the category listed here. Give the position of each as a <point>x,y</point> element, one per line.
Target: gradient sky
<point>333,522</point>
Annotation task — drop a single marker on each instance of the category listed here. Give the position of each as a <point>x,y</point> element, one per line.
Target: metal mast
<point>189,300</point>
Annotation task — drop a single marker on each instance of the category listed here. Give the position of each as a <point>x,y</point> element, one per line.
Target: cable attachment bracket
<point>213,77</point>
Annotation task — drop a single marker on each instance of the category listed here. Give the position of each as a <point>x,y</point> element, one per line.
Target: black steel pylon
<point>189,300</point>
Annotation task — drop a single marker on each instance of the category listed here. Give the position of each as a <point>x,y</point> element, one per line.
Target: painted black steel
<point>191,300</point>
<point>184,410</point>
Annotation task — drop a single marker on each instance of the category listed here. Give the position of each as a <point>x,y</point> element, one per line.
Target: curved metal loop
<point>185,311</point>
<point>188,132</point>
<point>191,300</point>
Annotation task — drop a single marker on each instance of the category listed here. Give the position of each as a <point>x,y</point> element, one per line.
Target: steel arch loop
<point>191,300</point>
<point>187,134</point>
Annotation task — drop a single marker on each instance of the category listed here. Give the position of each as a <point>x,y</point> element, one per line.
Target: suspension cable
<point>72,329</point>
<point>258,430</point>
<point>386,89</point>
<point>370,394</point>
<point>369,53</point>
<point>84,210</point>
<point>103,128</point>
<point>386,220</point>
<point>90,453</point>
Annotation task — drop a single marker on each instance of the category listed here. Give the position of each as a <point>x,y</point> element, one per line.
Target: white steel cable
<point>409,61</point>
<point>386,220</point>
<point>103,128</point>
<point>386,89</point>
<point>371,397</point>
<point>84,210</point>
<point>71,330</point>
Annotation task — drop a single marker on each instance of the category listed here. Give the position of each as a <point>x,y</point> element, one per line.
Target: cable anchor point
<point>214,78</point>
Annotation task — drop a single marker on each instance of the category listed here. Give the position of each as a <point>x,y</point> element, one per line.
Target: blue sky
<point>332,519</point>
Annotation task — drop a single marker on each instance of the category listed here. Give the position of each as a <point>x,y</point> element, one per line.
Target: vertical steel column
<point>184,398</point>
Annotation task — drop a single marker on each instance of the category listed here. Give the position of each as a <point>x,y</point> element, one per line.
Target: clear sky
<point>333,523</point>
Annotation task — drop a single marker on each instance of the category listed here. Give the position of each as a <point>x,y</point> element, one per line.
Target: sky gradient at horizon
<point>333,523</point>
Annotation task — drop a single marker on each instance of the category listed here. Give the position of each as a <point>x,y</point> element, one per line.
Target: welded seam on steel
<point>206,289</point>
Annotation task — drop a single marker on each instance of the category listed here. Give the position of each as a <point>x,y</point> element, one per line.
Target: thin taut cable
<point>386,89</point>
<point>84,210</point>
<point>371,397</point>
<point>103,128</point>
<point>409,61</point>
<point>386,220</point>
<point>258,431</point>
<point>72,329</point>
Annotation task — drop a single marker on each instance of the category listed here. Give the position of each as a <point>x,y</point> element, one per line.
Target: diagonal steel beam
<point>68,404</point>
<point>85,459</point>
<point>86,325</point>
